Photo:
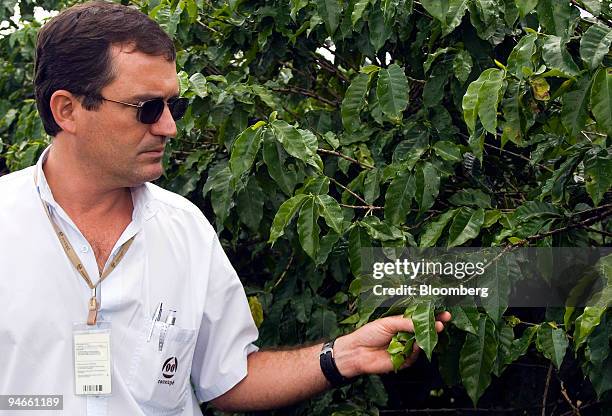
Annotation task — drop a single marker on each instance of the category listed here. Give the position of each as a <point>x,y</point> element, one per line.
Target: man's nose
<point>165,126</point>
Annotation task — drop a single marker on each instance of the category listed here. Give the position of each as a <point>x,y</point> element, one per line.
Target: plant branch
<point>348,190</point>
<point>307,93</point>
<point>517,155</point>
<point>593,230</point>
<point>568,400</point>
<point>284,273</point>
<point>368,207</point>
<point>343,156</point>
<point>586,222</point>
<point>550,367</point>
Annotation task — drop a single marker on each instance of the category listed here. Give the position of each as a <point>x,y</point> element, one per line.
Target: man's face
<point>118,148</point>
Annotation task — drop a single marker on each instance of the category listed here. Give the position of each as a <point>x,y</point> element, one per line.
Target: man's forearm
<point>280,378</point>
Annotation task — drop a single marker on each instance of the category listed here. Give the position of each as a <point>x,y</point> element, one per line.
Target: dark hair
<point>73,52</point>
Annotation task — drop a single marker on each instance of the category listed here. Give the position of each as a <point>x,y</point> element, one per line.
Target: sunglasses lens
<point>151,111</point>
<point>178,106</point>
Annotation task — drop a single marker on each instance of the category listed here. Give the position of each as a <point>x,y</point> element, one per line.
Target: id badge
<point>92,359</point>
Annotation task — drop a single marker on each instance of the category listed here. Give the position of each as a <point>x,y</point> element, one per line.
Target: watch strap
<point>329,368</point>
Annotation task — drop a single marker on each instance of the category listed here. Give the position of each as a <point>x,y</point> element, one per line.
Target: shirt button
<point>84,249</point>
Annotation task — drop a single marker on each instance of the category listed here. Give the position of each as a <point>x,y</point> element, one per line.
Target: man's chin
<point>149,174</point>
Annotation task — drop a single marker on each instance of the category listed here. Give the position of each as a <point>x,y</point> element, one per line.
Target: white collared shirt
<point>176,258</point>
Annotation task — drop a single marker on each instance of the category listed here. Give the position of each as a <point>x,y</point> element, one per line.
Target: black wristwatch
<point>329,368</point>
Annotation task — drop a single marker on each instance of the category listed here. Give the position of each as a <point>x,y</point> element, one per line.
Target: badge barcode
<point>92,387</point>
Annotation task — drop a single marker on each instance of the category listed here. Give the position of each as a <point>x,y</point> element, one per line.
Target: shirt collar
<point>142,198</point>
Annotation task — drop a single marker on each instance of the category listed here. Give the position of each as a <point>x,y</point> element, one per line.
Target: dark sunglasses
<point>151,110</point>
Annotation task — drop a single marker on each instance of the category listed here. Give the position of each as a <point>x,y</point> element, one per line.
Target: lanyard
<point>78,265</point>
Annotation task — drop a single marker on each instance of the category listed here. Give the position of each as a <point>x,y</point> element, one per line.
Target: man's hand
<point>280,378</point>
<point>365,350</point>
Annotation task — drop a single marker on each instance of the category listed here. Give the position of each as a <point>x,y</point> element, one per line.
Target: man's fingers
<point>412,357</point>
<point>444,316</point>
<point>397,323</point>
<point>439,326</point>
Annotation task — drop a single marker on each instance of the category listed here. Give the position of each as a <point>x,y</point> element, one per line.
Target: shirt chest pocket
<point>159,380</point>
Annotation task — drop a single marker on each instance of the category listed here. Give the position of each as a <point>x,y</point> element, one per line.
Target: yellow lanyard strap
<point>78,265</point>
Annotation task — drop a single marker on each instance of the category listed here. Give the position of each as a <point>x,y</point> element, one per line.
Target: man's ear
<point>65,108</point>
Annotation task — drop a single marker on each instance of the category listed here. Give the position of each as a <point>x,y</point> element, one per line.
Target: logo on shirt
<point>169,367</point>
<point>168,371</point>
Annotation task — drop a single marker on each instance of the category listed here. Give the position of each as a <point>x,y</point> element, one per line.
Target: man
<point>116,294</point>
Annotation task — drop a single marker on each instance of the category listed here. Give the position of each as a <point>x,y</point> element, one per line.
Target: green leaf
<point>453,17</point>
<point>360,6</point>
<point>433,229</point>
<point>436,8</point>
<point>293,141</point>
<point>466,319</point>
<point>593,6</point>
<point>505,336</point>
<point>586,323</point>
<point>330,11</point>
<point>424,327</point>
<point>519,346</point>
<point>466,226</point>
<point>358,241</point>
<point>380,230</point>
<point>448,150</point>
<point>512,107</point>
<point>427,184</point>
<point>477,358</point>
<point>353,102</point>
<point>308,229</point>
<point>256,310</point>
<point>553,343</point>
<point>316,185</point>
<point>598,176</point>
<point>557,17</point>
<point>525,6</point>
<point>285,213</point>
<point>491,217</point>
<point>198,84</point>
<point>601,377</point>
<point>380,29</point>
<point>601,98</point>
<point>250,203</point>
<point>432,56</point>
<point>595,44</point>
<point>323,324</point>
<point>398,198</point>
<point>575,109</point>
<point>415,142</point>
<point>332,213</point>
<point>371,185</point>
<point>392,91</point>
<point>244,150</point>
<point>557,57</point>
<point>462,65</point>
<point>498,277</point>
<point>522,56</point>
<point>481,100</point>
<point>274,156</point>
<point>471,197</point>
<point>221,193</point>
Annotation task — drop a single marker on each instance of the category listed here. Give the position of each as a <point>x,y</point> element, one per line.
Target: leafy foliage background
<point>319,127</point>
